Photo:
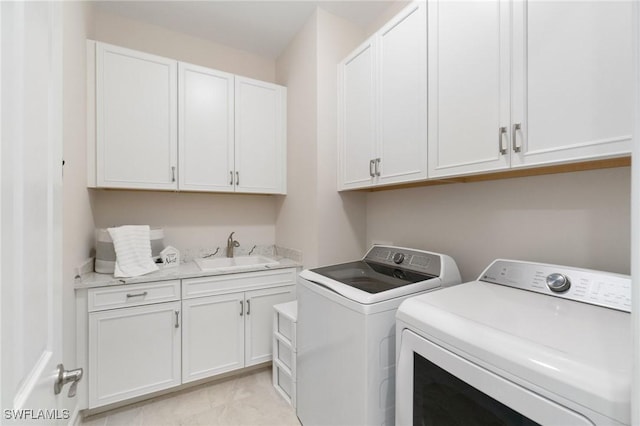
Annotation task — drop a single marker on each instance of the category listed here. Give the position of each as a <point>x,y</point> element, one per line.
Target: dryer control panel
<point>583,285</point>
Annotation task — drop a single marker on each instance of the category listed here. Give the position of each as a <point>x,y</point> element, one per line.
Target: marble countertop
<point>185,270</point>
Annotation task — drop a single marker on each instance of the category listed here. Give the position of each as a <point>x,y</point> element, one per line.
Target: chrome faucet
<point>231,243</point>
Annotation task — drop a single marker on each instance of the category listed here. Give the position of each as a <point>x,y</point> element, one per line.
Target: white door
<point>572,74</point>
<point>206,129</point>
<point>260,148</point>
<point>469,79</point>
<point>356,118</point>
<point>30,209</point>
<point>259,322</point>
<point>212,336</point>
<point>402,83</point>
<point>136,119</point>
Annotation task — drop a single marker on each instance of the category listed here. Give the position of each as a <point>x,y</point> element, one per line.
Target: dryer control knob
<point>398,258</point>
<point>558,282</point>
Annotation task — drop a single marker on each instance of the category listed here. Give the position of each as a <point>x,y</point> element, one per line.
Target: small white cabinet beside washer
<point>285,318</point>
<point>228,320</point>
<point>134,342</point>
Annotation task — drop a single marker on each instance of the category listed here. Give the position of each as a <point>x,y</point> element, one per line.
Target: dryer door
<point>435,386</point>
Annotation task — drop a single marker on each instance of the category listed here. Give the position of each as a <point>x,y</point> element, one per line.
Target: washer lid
<point>577,351</point>
<point>371,277</point>
<point>355,288</point>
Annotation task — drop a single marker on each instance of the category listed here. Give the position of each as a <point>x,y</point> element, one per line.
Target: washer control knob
<point>398,258</point>
<point>558,282</point>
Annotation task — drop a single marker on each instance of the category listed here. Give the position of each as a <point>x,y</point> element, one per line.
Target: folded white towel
<point>132,244</point>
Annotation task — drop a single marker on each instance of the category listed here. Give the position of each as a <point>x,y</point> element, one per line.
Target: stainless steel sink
<point>223,264</point>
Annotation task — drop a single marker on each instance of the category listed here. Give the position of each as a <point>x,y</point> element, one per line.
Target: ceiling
<point>262,27</point>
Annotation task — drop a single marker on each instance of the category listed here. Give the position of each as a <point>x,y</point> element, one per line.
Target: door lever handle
<point>66,376</point>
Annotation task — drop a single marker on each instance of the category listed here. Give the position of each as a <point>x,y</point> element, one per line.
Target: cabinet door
<point>260,146</point>
<point>356,118</point>
<point>469,78</point>
<point>259,322</point>
<point>402,84</point>
<point>133,351</point>
<point>213,335</point>
<point>206,127</point>
<point>572,74</point>
<point>136,117</point>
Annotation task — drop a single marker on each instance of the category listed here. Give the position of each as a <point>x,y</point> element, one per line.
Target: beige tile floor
<point>249,399</point>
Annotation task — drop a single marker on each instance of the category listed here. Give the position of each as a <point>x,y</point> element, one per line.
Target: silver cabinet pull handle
<point>248,307</point>
<point>230,177</point>
<point>514,137</point>
<point>177,321</point>
<point>377,167</point>
<point>371,164</point>
<point>502,149</point>
<point>241,308</point>
<point>143,294</point>
<point>237,178</point>
<point>173,173</point>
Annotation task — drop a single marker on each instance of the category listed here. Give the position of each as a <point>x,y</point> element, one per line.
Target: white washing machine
<point>525,344</point>
<point>346,332</point>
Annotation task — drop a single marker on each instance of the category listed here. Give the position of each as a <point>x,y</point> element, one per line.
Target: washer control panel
<point>583,285</point>
<point>403,258</point>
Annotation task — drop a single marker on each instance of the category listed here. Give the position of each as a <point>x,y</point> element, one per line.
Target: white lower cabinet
<point>137,339</point>
<point>133,351</point>
<point>224,332</point>
<point>213,336</point>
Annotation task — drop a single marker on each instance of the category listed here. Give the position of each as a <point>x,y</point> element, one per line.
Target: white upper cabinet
<point>572,70</point>
<point>402,67</point>
<point>164,125</point>
<point>260,142</point>
<point>383,105</point>
<point>357,118</point>
<point>468,86</point>
<point>136,108</point>
<point>522,84</point>
<point>206,129</point>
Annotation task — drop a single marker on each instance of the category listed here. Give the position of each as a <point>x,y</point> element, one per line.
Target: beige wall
<point>125,32</point>
<point>77,219</point>
<point>341,216</point>
<point>580,219</point>
<point>296,212</point>
<point>326,226</point>
<point>190,220</point>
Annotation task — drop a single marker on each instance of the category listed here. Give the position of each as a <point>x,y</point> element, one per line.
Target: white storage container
<point>106,254</point>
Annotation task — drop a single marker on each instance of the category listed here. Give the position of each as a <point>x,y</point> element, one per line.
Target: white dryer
<point>346,332</point>
<point>525,344</point>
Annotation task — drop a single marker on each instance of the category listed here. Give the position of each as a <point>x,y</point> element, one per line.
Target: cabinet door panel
<point>468,86</point>
<point>260,146</point>
<point>259,322</point>
<point>403,96</point>
<point>206,123</point>
<point>356,132</point>
<point>572,72</point>
<point>136,119</point>
<point>132,352</point>
<point>213,336</point>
